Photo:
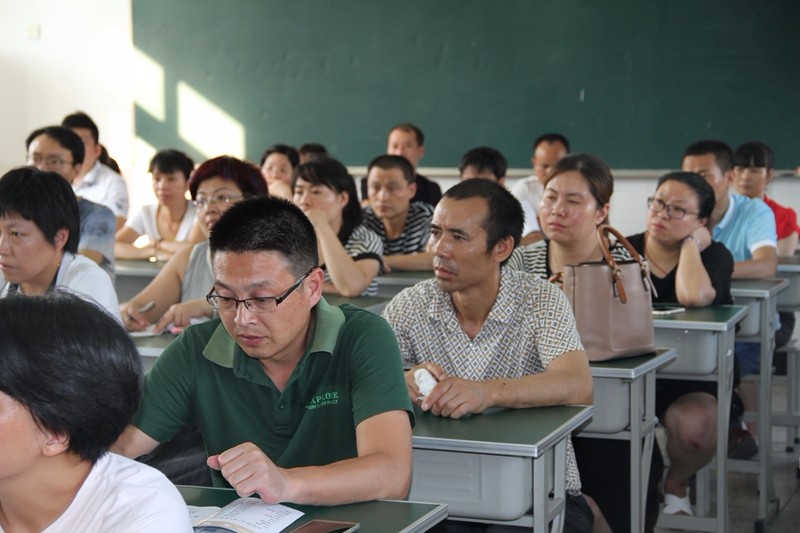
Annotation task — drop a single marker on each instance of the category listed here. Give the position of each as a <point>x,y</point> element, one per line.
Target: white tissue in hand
<point>425,381</point>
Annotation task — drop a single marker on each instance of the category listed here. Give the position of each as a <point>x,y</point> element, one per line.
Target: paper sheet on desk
<point>147,332</point>
<point>245,515</point>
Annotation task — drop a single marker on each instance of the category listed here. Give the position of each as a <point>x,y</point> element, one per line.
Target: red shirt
<point>785,218</point>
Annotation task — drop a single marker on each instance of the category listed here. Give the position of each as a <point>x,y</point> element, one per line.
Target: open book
<point>245,515</point>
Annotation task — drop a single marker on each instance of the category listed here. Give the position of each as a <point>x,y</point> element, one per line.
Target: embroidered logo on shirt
<point>321,400</point>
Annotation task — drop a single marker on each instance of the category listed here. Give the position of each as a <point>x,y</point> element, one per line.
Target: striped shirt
<point>416,231</point>
<point>363,244</point>
<point>533,258</point>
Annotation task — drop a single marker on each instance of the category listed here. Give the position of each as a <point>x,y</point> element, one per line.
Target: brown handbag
<point>612,302</point>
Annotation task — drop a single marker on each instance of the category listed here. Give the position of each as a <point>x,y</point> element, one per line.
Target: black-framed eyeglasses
<point>259,304</point>
<point>51,161</point>
<point>673,211</point>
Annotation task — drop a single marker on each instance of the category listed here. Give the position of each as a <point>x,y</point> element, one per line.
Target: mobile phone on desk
<point>667,310</point>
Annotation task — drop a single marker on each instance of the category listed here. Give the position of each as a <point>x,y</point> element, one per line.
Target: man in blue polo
<point>297,401</point>
<point>746,226</point>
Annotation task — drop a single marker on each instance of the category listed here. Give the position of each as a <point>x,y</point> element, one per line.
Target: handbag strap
<point>602,236</point>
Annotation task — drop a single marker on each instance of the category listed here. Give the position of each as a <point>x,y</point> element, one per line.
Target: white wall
<point>57,57</point>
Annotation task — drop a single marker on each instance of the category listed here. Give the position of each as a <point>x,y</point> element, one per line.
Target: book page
<point>250,515</point>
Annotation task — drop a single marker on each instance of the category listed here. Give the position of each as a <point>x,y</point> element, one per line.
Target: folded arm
<point>764,264</point>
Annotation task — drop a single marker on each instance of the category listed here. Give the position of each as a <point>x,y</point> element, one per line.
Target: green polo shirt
<point>350,371</point>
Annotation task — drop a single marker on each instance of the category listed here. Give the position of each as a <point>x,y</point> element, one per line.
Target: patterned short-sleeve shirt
<point>416,231</point>
<point>530,324</point>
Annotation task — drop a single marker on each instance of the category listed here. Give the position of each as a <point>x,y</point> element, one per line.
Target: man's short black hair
<point>485,158</point>
<point>267,224</point>
<point>551,138</point>
<point>72,365</point>
<point>44,198</point>
<point>65,137</point>
<point>407,126</point>
<point>79,119</point>
<point>315,150</point>
<point>387,162</point>
<point>289,151</point>
<point>505,216</point>
<point>754,154</point>
<point>169,161</point>
<point>723,155</point>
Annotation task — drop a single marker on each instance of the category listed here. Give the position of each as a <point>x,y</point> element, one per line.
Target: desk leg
<point>642,427</point>
<point>550,473</point>
<point>766,489</point>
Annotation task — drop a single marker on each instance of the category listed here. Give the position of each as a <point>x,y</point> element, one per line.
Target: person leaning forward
<point>297,400</point>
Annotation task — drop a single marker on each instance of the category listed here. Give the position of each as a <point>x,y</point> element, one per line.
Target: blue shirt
<point>98,226</point>
<point>748,224</point>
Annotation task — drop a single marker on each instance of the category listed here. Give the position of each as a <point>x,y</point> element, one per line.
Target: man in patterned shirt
<point>491,336</point>
<point>403,226</point>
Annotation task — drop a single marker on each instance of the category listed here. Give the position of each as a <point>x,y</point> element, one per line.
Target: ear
<point>503,248</point>
<point>422,151</point>
<point>770,175</point>
<point>344,197</point>
<point>703,222</point>
<point>602,214</point>
<point>97,150</point>
<point>729,177</point>
<point>55,444</point>
<point>313,284</point>
<point>412,187</point>
<point>502,181</point>
<point>61,238</point>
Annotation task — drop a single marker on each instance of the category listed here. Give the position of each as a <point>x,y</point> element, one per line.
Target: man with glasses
<point>297,401</point>
<point>746,226</point>
<point>60,150</point>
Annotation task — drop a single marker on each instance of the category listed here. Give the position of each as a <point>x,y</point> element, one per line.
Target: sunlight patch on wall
<point>149,85</point>
<point>205,126</point>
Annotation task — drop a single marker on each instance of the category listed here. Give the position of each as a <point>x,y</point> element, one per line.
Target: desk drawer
<point>750,326</point>
<point>611,406</point>
<point>697,350</point>
<point>472,485</point>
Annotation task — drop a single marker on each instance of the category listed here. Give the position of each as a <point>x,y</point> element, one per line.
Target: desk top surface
<point>138,267</point>
<point>758,288</point>
<point>381,515</point>
<point>405,278</point>
<point>712,318</point>
<point>514,432</point>
<point>789,263</point>
<point>633,367</point>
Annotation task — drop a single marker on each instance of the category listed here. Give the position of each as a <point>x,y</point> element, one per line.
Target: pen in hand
<point>149,306</point>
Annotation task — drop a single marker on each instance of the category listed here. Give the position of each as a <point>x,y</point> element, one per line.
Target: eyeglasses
<point>52,161</point>
<point>203,203</point>
<point>673,211</point>
<point>260,304</point>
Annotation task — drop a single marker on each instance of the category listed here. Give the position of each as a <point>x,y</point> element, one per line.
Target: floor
<point>743,488</point>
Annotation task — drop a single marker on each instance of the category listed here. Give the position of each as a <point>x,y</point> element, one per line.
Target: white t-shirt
<point>123,496</point>
<point>83,276</point>
<point>529,193</point>
<point>143,222</point>
<point>103,186</point>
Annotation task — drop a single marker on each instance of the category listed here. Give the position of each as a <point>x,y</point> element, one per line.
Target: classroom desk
<point>537,434</point>
<point>390,284</point>
<point>374,516</point>
<point>711,331</point>
<point>761,297</point>
<point>789,269</point>
<point>629,381</point>
<point>133,275</point>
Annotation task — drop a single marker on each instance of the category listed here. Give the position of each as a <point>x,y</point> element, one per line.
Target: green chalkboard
<point>633,81</point>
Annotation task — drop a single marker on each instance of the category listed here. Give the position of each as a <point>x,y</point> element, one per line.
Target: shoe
<point>677,505</point>
<point>741,445</point>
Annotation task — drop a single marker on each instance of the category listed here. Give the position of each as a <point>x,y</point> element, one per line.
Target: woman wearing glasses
<point>349,253</point>
<point>170,224</point>
<point>689,269</point>
<point>177,294</point>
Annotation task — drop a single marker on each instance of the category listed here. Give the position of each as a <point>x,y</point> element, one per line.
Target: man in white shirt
<point>547,150</point>
<point>97,182</point>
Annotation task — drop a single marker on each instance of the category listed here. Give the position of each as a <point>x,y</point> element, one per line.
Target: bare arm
<point>94,255</point>
<point>415,261</point>
<point>788,245</point>
<point>381,470</point>
<point>764,264</point>
<point>164,290</point>
<point>566,380</point>
<point>531,238</point>
<point>120,222</point>
<point>349,277</point>
<point>134,443</point>
<point>692,282</point>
